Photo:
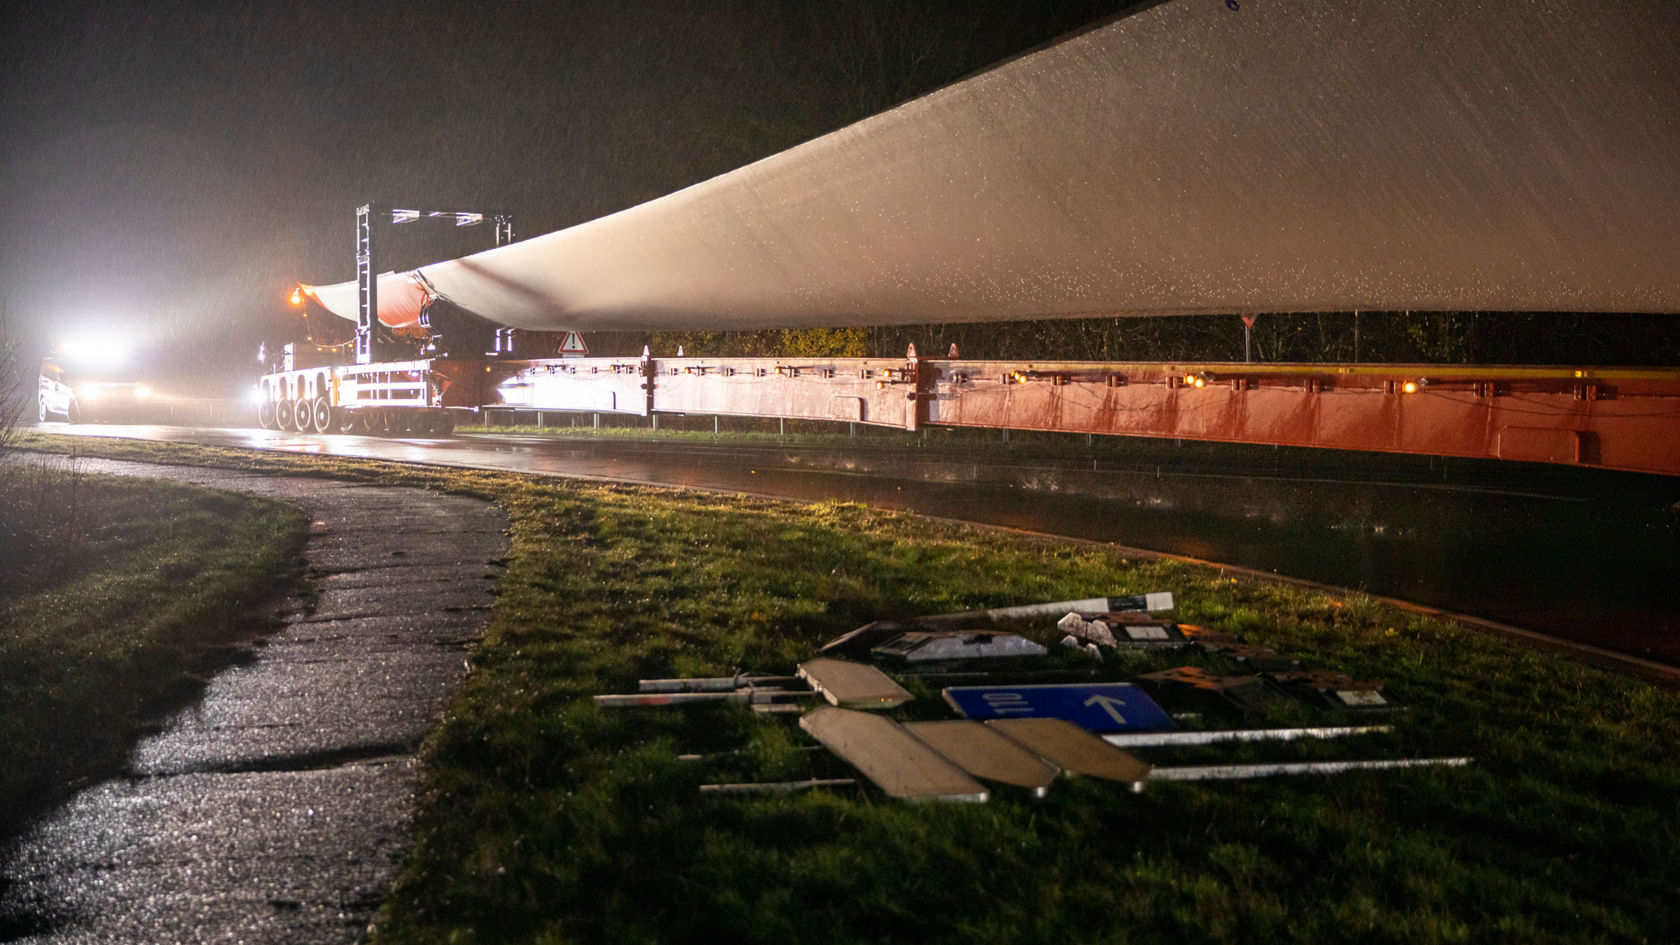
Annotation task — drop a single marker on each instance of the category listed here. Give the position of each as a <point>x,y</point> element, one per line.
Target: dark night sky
<point>176,167</point>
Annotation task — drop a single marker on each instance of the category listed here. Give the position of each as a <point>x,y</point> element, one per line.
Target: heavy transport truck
<point>313,392</point>
<point>1606,417</point>
<point>410,397</point>
<point>1613,418</point>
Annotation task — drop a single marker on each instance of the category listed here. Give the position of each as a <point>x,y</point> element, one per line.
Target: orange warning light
<point>297,296</point>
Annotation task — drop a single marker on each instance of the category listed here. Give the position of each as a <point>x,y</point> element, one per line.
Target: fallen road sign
<point>1071,748</point>
<point>986,753</point>
<point>951,646</point>
<point>860,640</point>
<point>1099,707</point>
<point>897,762</point>
<point>852,685</point>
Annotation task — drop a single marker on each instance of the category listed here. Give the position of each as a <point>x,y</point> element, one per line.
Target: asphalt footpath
<point>278,808</point>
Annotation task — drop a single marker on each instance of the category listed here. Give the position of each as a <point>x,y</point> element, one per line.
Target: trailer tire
<point>446,424</point>
<point>321,418</point>
<point>41,417</point>
<point>265,415</point>
<point>351,421</point>
<point>282,415</point>
<point>303,415</point>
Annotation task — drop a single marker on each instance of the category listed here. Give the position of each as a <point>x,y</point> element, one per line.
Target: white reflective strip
<point>1147,739</point>
<point>1236,772</point>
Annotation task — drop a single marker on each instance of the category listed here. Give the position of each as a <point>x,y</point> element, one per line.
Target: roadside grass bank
<point>547,819</point>
<point>117,598</point>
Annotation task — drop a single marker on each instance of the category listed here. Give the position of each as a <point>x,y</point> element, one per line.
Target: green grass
<point>546,819</point>
<point>131,590</point>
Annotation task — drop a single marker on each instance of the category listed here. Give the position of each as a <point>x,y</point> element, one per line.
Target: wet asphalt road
<point>1576,554</point>
<point>276,809</point>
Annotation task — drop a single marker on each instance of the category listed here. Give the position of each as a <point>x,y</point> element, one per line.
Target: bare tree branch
<point>13,391</point>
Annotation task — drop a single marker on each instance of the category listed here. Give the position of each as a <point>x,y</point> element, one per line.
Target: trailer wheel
<point>42,417</point>
<point>282,415</point>
<point>265,415</point>
<point>446,423</point>
<point>303,415</point>
<point>321,416</point>
<point>351,421</point>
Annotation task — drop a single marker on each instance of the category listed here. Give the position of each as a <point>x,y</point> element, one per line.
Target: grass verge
<point>546,819</point>
<point>131,590</point>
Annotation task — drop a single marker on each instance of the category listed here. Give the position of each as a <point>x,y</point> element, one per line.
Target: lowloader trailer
<point>1610,418</point>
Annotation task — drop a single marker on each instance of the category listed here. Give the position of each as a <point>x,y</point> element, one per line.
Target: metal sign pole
<point>367,285</point>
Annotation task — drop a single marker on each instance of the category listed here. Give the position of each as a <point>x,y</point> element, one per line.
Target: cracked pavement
<point>277,808</point>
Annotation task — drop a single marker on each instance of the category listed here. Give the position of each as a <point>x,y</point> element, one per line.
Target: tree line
<point>1565,338</point>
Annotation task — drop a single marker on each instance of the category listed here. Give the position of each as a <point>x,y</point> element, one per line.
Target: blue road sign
<point>1098,707</point>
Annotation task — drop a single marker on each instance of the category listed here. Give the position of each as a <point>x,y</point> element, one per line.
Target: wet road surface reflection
<point>1578,556</point>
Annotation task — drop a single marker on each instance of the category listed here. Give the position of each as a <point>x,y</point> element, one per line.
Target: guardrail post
<point>912,396</point>
<point>650,370</point>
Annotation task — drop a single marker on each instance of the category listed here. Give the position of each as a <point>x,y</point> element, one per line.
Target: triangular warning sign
<point>573,346</point>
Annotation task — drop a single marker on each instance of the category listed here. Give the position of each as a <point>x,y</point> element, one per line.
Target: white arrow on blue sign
<point>1097,707</point>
